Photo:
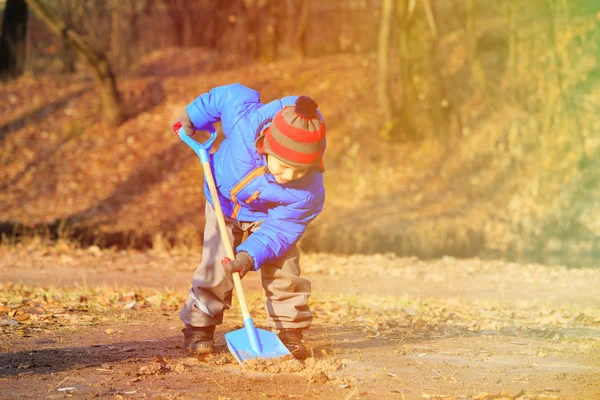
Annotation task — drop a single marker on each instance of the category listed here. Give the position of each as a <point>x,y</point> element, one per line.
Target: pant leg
<point>287,293</point>
<point>211,288</point>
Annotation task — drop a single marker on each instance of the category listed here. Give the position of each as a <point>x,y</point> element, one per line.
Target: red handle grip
<point>176,127</point>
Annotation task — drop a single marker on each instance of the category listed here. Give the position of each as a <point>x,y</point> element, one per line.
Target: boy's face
<point>284,173</point>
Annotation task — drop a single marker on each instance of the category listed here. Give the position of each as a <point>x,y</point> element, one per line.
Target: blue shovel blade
<point>267,344</point>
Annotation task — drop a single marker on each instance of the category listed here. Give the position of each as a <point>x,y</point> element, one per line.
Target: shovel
<point>249,342</point>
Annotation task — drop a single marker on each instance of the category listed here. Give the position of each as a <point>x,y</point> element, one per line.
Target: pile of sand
<point>314,370</point>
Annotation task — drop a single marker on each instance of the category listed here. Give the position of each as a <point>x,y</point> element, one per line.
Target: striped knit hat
<point>296,135</point>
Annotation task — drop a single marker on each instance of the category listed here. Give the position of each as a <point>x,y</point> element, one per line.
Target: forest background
<point>456,127</point>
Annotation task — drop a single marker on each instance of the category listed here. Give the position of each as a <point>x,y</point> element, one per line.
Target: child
<point>268,171</point>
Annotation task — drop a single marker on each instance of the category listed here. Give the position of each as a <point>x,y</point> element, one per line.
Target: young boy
<point>268,172</point>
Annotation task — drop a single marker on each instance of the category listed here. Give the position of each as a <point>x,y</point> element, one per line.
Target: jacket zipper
<point>240,185</point>
<point>253,197</point>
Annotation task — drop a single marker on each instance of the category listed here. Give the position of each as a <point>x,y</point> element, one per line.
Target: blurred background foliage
<point>456,127</point>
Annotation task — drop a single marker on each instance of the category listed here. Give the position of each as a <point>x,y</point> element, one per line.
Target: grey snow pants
<point>286,292</point>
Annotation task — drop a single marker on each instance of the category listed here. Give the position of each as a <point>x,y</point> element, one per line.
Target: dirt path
<point>394,328</point>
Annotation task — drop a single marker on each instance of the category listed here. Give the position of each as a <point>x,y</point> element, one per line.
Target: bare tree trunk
<point>13,43</point>
<point>383,60</point>
<point>440,108</point>
<point>430,19</point>
<point>303,28</point>
<point>69,57</point>
<point>512,67</point>
<point>342,21</point>
<point>114,36</point>
<point>404,15</point>
<point>477,72</point>
<point>563,95</point>
<point>597,34</point>
<point>272,36</point>
<point>252,27</point>
<point>71,11</point>
<point>133,33</point>
<point>175,10</point>
<point>101,68</point>
<point>188,32</point>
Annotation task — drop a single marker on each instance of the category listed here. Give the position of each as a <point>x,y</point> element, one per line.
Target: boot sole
<point>200,351</point>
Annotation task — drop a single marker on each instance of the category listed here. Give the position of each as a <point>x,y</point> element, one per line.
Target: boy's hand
<point>243,263</point>
<point>184,122</point>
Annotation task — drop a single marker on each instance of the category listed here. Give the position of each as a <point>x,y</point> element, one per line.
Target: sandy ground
<point>385,328</point>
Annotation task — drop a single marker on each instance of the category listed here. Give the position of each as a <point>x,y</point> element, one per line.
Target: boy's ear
<point>260,143</point>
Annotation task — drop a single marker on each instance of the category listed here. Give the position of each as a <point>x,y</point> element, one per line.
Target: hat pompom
<point>306,107</point>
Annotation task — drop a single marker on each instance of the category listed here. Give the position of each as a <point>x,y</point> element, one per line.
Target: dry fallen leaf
<point>8,322</point>
<point>129,305</point>
<point>155,300</point>
<point>420,323</point>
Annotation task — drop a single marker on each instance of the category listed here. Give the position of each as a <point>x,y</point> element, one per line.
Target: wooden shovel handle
<point>237,281</point>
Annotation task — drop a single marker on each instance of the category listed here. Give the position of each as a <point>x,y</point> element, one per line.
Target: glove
<point>184,122</point>
<point>243,263</point>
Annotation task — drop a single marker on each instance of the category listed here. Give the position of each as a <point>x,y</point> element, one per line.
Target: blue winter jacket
<point>247,191</point>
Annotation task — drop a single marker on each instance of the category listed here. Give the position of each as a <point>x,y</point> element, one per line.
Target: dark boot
<point>292,339</point>
<point>198,341</point>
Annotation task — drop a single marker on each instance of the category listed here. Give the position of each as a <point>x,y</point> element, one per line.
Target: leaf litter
<point>24,309</point>
<point>158,367</point>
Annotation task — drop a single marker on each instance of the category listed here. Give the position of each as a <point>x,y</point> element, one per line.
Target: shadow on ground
<point>51,360</point>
